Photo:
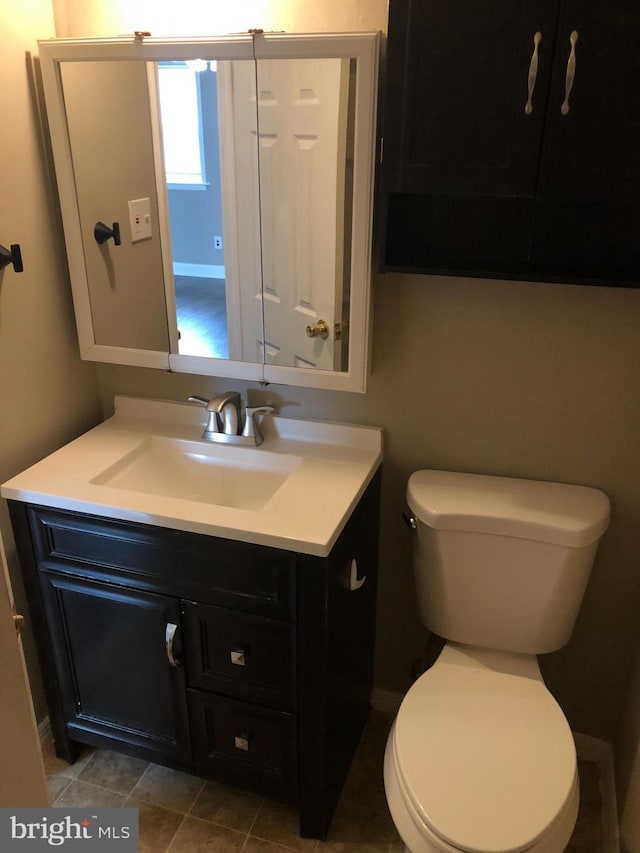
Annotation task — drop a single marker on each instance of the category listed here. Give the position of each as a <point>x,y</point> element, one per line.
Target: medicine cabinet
<point>216,198</point>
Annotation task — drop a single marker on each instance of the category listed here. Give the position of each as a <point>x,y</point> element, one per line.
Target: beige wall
<point>47,395</point>
<point>506,378</point>
<point>510,378</point>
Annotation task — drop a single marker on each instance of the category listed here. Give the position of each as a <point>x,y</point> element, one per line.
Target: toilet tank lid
<point>557,513</point>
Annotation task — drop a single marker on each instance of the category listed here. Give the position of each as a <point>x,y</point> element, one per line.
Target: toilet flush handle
<point>410,520</point>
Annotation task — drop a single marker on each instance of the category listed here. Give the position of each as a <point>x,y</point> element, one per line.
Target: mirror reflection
<point>294,271</point>
<point>188,95</point>
<point>305,111</point>
<point>237,174</point>
<point>209,203</point>
<point>113,165</point>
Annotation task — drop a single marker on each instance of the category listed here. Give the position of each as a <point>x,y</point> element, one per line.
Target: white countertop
<point>306,514</point>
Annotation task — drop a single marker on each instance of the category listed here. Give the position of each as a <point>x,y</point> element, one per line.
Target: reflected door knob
<point>318,330</point>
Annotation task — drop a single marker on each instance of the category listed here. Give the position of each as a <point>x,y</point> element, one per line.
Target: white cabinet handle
<point>571,73</point>
<point>533,73</point>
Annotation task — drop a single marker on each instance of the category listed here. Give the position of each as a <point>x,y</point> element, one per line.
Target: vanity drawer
<point>240,654</point>
<point>248,743</point>
<point>247,577</point>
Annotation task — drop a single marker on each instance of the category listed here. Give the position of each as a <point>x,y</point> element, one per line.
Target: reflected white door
<point>22,778</point>
<point>240,207</point>
<point>302,120</point>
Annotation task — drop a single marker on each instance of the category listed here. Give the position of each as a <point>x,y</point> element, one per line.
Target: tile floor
<point>179,812</point>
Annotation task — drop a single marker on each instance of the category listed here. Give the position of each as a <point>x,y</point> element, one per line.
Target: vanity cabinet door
<point>457,87</point>
<point>504,158</point>
<point>462,136</point>
<point>589,187</point>
<point>109,645</point>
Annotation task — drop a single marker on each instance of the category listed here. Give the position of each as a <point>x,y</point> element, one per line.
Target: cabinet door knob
<point>571,73</point>
<point>239,657</point>
<point>241,741</point>
<point>533,73</point>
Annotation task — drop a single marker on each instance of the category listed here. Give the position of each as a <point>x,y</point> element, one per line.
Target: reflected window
<point>188,99</point>
<point>181,115</point>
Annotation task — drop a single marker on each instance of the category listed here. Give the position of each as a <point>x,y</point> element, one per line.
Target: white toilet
<point>481,758</point>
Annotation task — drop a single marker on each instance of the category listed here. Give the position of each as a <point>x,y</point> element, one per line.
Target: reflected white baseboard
<point>198,270</point>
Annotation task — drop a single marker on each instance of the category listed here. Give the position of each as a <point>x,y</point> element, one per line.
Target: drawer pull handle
<point>533,73</point>
<point>239,657</point>
<point>571,73</point>
<point>169,637</point>
<point>241,741</point>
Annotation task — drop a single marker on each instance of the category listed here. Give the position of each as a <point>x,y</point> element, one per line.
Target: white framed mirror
<point>239,171</point>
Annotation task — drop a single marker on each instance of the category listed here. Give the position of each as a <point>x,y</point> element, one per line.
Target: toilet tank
<point>500,562</point>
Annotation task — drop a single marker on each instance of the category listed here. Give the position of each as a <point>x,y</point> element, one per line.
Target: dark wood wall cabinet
<point>511,134</point>
<point>238,662</point>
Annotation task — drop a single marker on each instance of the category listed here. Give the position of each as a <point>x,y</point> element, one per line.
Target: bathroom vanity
<point>232,640</point>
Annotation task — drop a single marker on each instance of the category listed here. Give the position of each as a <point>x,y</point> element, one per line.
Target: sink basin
<point>147,464</point>
<point>244,478</point>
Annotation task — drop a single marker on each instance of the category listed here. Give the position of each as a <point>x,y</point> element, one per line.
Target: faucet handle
<point>212,419</point>
<point>194,398</point>
<point>251,428</point>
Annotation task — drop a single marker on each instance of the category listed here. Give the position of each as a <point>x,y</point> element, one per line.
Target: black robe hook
<point>102,233</point>
<point>11,256</point>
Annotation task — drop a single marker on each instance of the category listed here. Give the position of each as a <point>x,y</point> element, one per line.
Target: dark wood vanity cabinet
<point>510,139</point>
<point>239,662</point>
<point>113,677</point>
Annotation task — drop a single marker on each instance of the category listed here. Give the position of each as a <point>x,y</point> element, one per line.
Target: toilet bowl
<point>481,758</point>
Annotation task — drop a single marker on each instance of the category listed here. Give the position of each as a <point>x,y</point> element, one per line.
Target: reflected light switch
<point>140,219</point>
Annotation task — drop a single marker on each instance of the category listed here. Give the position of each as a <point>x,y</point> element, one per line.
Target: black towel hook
<point>102,233</point>
<point>11,256</point>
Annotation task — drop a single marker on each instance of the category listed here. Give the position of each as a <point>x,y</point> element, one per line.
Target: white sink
<point>148,464</point>
<point>194,470</point>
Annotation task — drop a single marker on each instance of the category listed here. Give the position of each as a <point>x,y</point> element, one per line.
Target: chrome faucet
<point>224,418</point>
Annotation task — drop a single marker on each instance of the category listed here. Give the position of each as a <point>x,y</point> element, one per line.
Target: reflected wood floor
<point>179,812</point>
<point>201,306</point>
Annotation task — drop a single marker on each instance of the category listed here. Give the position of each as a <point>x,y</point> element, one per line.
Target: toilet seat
<point>484,757</point>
